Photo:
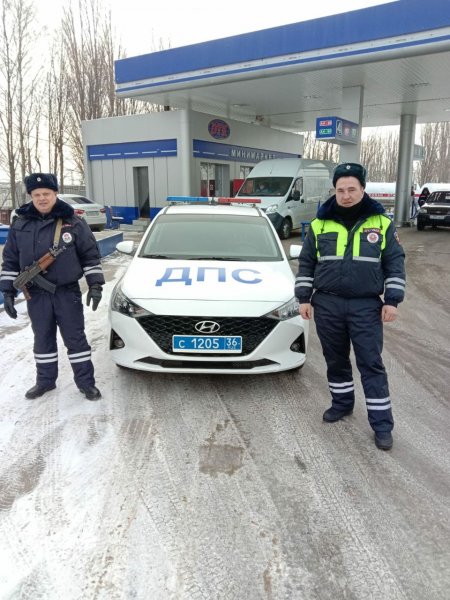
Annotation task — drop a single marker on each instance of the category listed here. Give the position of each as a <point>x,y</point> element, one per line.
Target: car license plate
<point>437,217</point>
<point>92,213</point>
<point>223,344</point>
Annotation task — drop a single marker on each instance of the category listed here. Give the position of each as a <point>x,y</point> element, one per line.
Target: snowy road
<point>224,487</point>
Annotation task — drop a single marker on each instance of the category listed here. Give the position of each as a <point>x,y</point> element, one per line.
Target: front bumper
<point>282,348</point>
<point>428,220</point>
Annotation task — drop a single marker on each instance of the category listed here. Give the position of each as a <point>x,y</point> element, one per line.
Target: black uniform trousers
<point>63,309</point>
<point>356,321</point>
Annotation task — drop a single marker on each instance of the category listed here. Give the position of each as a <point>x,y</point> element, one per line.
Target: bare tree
<point>57,111</point>
<point>436,163</point>
<point>379,154</point>
<point>17,107</point>
<point>90,49</point>
<point>319,150</point>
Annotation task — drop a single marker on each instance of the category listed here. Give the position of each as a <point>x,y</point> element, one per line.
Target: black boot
<point>38,390</point>
<point>383,440</point>
<point>334,414</point>
<point>91,392</point>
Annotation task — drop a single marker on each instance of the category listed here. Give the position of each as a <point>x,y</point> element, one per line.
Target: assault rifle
<point>32,274</point>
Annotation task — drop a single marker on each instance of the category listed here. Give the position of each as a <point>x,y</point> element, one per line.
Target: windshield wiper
<point>221,258</point>
<point>230,258</point>
<point>156,256</point>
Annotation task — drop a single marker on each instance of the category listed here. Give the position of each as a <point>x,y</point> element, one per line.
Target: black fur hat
<point>41,180</point>
<point>350,170</point>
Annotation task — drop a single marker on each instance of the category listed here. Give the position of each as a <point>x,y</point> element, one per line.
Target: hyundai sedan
<point>208,290</point>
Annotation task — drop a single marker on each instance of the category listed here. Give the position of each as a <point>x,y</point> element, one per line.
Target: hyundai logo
<point>207,327</point>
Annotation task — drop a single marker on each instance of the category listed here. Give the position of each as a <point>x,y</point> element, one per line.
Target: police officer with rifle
<point>47,251</point>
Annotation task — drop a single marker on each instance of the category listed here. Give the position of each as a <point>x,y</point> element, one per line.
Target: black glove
<point>8,300</point>
<point>94,294</point>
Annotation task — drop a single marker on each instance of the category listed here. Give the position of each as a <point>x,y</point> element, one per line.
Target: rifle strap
<point>57,233</point>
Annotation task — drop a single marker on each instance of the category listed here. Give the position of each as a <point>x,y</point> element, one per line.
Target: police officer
<point>49,223</point>
<point>350,257</point>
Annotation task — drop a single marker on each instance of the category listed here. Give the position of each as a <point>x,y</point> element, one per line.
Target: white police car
<point>209,290</point>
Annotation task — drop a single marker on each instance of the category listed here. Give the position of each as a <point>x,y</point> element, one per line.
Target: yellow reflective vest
<point>366,261</point>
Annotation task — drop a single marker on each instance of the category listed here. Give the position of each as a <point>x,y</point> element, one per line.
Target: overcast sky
<point>140,24</point>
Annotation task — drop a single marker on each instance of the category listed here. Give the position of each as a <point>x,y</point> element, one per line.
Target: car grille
<point>204,364</point>
<point>161,328</point>
<point>438,211</point>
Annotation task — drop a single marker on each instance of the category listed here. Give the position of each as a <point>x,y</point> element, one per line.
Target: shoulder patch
<point>396,236</point>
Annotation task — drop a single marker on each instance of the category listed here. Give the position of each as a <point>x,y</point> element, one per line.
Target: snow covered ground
<point>225,487</point>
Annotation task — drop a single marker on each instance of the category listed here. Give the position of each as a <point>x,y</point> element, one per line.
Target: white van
<point>290,189</point>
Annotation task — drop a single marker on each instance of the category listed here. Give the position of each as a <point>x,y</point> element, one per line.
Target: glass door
<point>141,191</point>
<point>214,179</point>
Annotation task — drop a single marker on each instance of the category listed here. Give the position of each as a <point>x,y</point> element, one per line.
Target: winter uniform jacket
<point>364,262</point>
<point>31,236</point>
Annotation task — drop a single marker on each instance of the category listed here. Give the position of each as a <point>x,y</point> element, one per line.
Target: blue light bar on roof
<point>188,199</point>
<point>213,200</point>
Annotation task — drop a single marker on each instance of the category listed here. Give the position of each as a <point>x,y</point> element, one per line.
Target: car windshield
<point>439,197</point>
<point>265,186</point>
<point>211,237</point>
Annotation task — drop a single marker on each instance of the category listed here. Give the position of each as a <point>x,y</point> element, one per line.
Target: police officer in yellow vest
<point>350,258</point>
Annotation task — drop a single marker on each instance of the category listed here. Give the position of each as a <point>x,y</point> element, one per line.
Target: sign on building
<point>336,130</point>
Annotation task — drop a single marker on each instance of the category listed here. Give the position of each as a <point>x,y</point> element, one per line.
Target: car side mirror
<point>126,247</point>
<point>294,250</point>
<point>296,195</point>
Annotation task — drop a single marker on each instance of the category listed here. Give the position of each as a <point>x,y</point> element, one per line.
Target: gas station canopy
<point>286,77</point>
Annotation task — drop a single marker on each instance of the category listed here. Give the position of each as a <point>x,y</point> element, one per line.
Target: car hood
<point>224,281</point>
<point>440,205</point>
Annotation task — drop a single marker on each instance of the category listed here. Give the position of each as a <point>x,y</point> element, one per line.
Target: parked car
<point>436,211</point>
<point>209,290</point>
<point>94,214</point>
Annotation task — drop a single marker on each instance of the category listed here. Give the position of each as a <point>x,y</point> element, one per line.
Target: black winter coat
<point>31,236</point>
<point>348,277</point>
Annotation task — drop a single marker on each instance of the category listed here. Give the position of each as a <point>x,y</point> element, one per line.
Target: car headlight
<point>122,304</point>
<point>273,208</point>
<point>286,311</point>
<point>423,211</point>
